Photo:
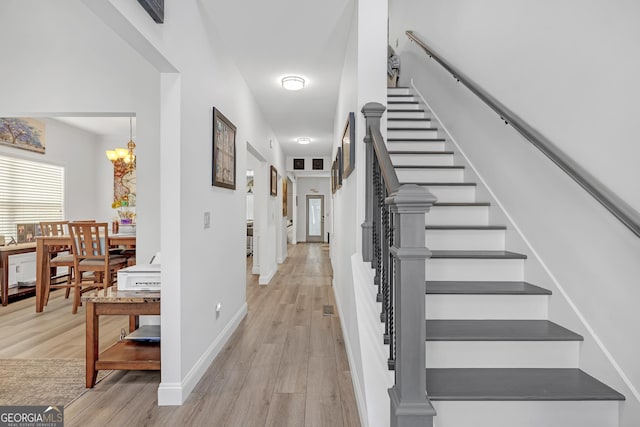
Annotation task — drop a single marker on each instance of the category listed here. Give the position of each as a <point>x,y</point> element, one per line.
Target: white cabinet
<point>22,269</point>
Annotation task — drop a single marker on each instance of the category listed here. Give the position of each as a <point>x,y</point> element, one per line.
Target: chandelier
<point>125,155</point>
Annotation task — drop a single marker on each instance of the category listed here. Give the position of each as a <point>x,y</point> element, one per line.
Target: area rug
<point>51,382</point>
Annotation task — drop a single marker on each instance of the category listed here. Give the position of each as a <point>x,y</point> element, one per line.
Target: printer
<point>141,277</point>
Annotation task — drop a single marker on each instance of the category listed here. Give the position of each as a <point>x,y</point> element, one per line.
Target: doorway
<point>315,219</point>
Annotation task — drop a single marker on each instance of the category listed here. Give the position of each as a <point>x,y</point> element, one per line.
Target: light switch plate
<point>207,220</point>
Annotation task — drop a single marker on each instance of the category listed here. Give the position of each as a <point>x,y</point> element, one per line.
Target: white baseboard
<point>265,279</point>
<point>174,394</point>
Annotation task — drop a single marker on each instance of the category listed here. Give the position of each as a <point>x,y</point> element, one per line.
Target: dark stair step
<point>460,204</point>
<point>465,227</point>
<point>402,102</point>
<point>477,255</point>
<point>498,330</point>
<point>425,152</point>
<point>400,119</point>
<point>419,129</point>
<point>400,110</point>
<point>415,139</point>
<point>516,384</point>
<point>484,288</point>
<point>443,184</point>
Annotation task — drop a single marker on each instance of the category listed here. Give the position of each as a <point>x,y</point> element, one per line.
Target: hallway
<point>285,365</point>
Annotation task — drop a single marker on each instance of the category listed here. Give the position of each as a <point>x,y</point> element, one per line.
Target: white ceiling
<point>277,38</point>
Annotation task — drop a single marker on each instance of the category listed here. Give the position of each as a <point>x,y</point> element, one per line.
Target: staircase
<point>493,358</point>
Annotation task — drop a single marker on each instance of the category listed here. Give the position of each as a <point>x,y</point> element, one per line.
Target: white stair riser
<point>404,106</point>
<point>414,124</point>
<point>502,354</point>
<point>457,194</point>
<point>458,215</point>
<point>526,414</point>
<point>475,269</point>
<point>405,97</point>
<point>421,160</point>
<point>399,91</point>
<point>418,133</point>
<point>469,307</point>
<point>415,146</point>
<point>466,240</point>
<point>436,175</point>
<point>406,114</point>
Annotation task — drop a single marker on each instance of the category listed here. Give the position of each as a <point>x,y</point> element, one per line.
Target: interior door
<point>315,218</point>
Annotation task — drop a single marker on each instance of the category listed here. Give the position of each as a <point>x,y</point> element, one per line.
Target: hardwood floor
<point>285,365</point>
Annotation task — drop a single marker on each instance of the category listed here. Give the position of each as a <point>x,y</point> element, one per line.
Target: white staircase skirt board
<point>399,91</point>
<point>458,215</point>
<point>498,307</point>
<point>415,145</point>
<point>452,194</point>
<point>526,413</point>
<point>414,124</point>
<point>411,133</point>
<point>466,240</point>
<point>475,269</point>
<point>421,159</point>
<point>405,106</point>
<point>502,354</point>
<point>405,114</point>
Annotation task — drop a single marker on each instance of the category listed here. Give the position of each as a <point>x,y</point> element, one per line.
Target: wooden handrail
<point>613,203</point>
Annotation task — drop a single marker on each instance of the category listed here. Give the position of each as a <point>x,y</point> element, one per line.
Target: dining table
<point>43,270</point>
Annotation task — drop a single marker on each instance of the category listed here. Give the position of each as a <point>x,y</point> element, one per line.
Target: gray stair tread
<point>465,227</point>
<point>516,384</point>
<point>498,330</point>
<point>429,166</point>
<point>415,140</point>
<point>423,152</point>
<point>484,288</point>
<point>400,110</point>
<point>402,102</point>
<point>443,184</point>
<point>408,119</point>
<point>462,204</point>
<point>413,129</point>
<point>478,254</point>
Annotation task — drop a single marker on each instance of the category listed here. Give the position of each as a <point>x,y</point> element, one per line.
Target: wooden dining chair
<point>89,241</point>
<point>60,256</point>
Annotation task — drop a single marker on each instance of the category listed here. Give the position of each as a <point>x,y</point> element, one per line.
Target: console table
<point>123,355</point>
<point>5,253</point>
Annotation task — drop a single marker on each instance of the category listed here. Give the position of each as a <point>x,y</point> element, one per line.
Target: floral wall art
<point>23,132</point>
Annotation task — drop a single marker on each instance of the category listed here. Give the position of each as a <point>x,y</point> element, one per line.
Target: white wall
<point>550,66</point>
<point>312,187</point>
<point>78,152</point>
<point>207,266</point>
<point>363,80</point>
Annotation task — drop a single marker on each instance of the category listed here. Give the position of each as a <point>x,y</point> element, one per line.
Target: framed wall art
<point>23,132</point>
<point>298,164</point>
<point>274,181</point>
<point>349,146</point>
<point>224,152</point>
<point>317,164</point>
<point>339,168</point>
<point>333,177</point>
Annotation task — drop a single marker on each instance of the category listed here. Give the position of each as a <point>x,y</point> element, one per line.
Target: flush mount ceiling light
<point>292,82</point>
<point>304,141</point>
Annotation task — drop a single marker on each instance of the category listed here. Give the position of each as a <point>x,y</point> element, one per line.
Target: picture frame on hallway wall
<point>333,177</point>
<point>339,168</point>
<point>274,181</point>
<point>224,152</point>
<point>349,146</point>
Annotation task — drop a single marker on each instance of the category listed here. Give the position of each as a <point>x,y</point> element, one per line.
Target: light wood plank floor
<point>284,366</point>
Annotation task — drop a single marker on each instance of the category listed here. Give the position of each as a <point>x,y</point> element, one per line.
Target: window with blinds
<point>30,192</point>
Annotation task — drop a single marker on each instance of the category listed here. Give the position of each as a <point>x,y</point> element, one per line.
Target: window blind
<point>30,192</point>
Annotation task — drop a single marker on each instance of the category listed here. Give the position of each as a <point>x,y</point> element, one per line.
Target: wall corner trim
<point>174,394</point>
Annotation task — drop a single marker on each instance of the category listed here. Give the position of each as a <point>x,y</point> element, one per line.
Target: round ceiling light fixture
<point>304,141</point>
<point>292,82</point>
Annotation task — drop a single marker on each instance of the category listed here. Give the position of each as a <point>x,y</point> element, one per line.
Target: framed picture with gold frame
<point>349,146</point>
